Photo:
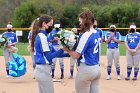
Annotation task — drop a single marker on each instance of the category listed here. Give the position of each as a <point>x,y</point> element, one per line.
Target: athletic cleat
<point>108,77</point>
<point>135,78</point>
<point>71,77</point>
<point>62,76</point>
<point>127,78</point>
<point>119,78</point>
<point>7,76</point>
<point>53,76</point>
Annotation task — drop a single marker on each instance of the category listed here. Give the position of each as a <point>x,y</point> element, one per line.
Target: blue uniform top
<point>100,32</point>
<point>43,51</point>
<point>88,47</point>
<point>30,35</point>
<point>113,44</point>
<point>132,39</point>
<point>12,38</point>
<point>51,37</point>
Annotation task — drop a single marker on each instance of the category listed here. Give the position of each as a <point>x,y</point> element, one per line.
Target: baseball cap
<point>133,26</point>
<point>9,26</point>
<point>112,26</point>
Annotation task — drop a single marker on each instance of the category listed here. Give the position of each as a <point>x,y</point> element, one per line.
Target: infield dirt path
<point>26,83</point>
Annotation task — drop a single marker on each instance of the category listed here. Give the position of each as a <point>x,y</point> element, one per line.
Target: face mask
<point>9,30</point>
<point>112,30</point>
<point>49,29</point>
<point>57,29</point>
<point>132,30</point>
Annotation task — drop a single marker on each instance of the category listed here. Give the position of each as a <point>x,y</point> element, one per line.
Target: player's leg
<point>94,87</point>
<point>6,57</point>
<point>130,60</point>
<point>116,61</point>
<point>61,63</point>
<point>72,63</point>
<point>43,77</point>
<point>82,82</point>
<point>109,62</point>
<point>136,64</point>
<point>53,67</point>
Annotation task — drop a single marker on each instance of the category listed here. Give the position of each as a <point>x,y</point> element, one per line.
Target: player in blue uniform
<point>132,44</point>
<point>12,40</point>
<point>56,46</point>
<point>113,38</point>
<point>43,53</point>
<point>87,53</point>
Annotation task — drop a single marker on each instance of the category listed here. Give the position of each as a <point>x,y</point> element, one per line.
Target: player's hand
<point>65,49</point>
<point>56,38</point>
<point>8,45</point>
<point>133,51</point>
<point>112,34</point>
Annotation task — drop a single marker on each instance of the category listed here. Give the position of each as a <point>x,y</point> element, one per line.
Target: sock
<point>118,70</point>
<point>129,69</point>
<point>71,72</point>
<point>108,70</point>
<point>136,70</point>
<point>62,72</point>
<point>53,72</point>
<point>7,72</point>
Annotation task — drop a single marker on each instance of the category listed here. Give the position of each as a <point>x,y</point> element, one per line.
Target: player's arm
<point>118,40</point>
<point>126,45</point>
<point>108,39</point>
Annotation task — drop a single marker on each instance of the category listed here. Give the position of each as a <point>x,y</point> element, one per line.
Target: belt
<point>86,64</point>
<point>112,47</point>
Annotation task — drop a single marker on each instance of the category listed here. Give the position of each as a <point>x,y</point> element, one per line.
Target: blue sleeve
<point>15,38</point>
<point>49,55</point>
<point>51,36</point>
<point>83,44</point>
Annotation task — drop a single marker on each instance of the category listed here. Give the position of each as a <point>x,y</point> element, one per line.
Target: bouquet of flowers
<point>66,39</point>
<point>3,40</point>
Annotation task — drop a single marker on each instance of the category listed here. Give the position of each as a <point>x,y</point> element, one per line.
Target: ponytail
<point>35,30</point>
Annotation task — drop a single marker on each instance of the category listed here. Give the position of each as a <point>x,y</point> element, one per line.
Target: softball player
<point>43,53</point>
<point>29,48</point>
<point>100,32</point>
<point>12,40</point>
<point>87,53</point>
<point>72,60</point>
<point>132,44</point>
<point>56,46</point>
<point>113,39</point>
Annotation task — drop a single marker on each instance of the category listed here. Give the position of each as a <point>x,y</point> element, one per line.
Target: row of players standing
<point>112,38</point>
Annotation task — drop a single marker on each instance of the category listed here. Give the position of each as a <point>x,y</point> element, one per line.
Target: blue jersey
<point>41,45</point>
<point>100,32</point>
<point>88,47</point>
<point>133,40</point>
<point>51,37</point>
<point>12,38</point>
<point>30,35</point>
<point>112,43</point>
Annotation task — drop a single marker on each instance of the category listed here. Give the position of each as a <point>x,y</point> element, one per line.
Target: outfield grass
<point>22,49</point>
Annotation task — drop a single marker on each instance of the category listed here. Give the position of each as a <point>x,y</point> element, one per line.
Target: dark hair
<point>87,20</point>
<point>38,24</point>
<point>57,22</point>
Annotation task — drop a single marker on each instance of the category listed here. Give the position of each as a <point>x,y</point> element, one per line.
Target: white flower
<point>65,41</point>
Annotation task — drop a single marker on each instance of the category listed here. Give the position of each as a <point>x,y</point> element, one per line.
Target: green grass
<point>22,49</point>
<point>121,47</point>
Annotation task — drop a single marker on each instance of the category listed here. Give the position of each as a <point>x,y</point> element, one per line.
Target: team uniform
<point>56,47</point>
<point>43,55</point>
<point>31,53</point>
<point>100,32</point>
<point>113,53</point>
<point>87,78</point>
<point>132,40</point>
<point>12,38</point>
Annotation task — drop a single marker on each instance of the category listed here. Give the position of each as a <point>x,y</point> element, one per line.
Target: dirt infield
<point>26,83</point>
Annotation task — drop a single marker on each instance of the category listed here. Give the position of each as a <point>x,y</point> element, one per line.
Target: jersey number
<point>132,40</point>
<point>98,43</point>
